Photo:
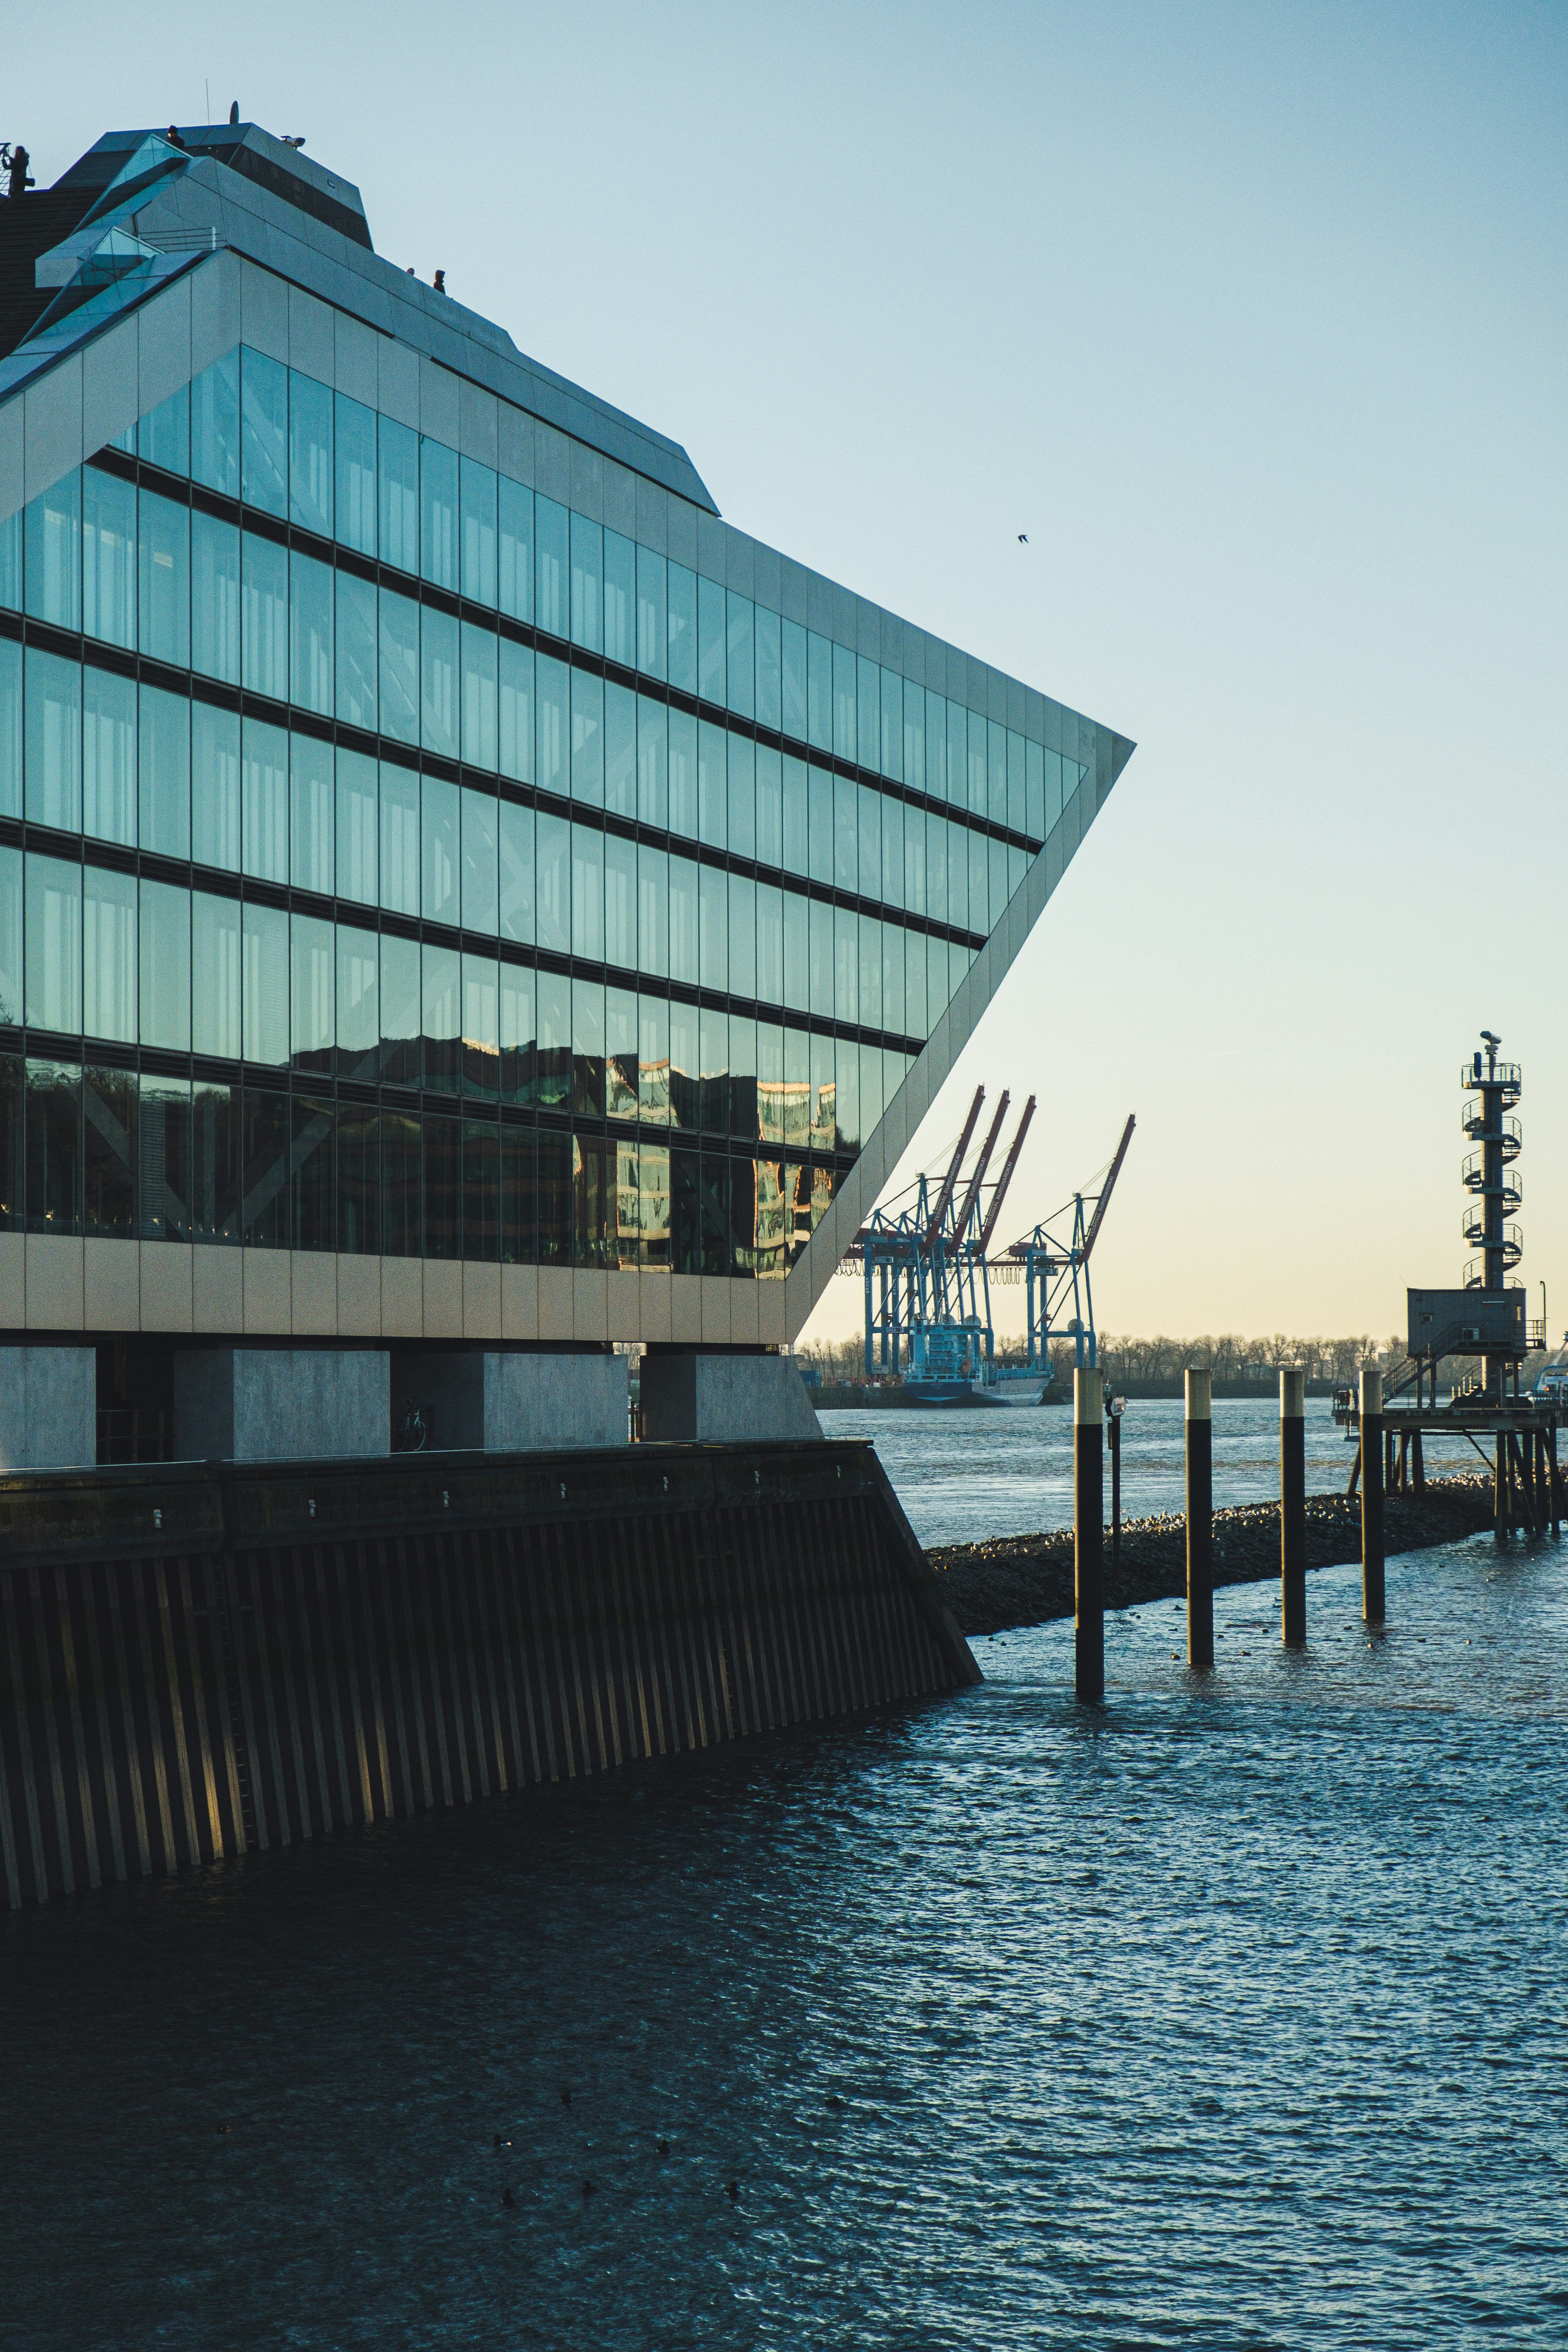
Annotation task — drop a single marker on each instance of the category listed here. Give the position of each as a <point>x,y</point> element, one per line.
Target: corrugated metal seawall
<point>207,1660</point>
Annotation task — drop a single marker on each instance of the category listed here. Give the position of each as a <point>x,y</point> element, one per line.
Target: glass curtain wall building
<point>450,882</point>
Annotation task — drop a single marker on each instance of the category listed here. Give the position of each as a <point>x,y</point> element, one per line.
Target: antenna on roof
<point>14,163</point>
<point>293,142</point>
<point>233,112</point>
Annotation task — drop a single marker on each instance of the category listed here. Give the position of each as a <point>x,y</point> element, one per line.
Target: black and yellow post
<point>1371,1598</point>
<point>1200,1518</point>
<point>1088,1533</point>
<point>1293,1505</point>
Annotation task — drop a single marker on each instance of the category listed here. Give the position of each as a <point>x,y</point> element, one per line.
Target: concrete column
<point>1371,1596</point>
<point>1293,1505</point>
<point>1088,1533</point>
<point>715,1399</point>
<point>48,1408</point>
<point>1199,1517</point>
<point>281,1405</point>
<point>517,1401</point>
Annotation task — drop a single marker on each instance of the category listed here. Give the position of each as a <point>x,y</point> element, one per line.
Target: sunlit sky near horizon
<point>1253,320</point>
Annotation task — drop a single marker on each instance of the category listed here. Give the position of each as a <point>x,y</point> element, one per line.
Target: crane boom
<point>1000,1194</point>
<point>972,1194</point>
<point>1109,1186</point>
<point>951,1179</point>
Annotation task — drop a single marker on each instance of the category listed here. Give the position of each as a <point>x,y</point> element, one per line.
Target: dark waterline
<point>1235,2016</point>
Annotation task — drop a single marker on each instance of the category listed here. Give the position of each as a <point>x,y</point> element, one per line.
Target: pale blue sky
<point>1253,319</point>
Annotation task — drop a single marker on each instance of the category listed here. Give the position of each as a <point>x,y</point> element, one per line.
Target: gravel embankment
<point>1025,1579</point>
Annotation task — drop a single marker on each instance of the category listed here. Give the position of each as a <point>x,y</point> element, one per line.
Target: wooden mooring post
<point>1372,1484</point>
<point>1089,1534</point>
<point>1293,1505</point>
<point>1199,1517</point>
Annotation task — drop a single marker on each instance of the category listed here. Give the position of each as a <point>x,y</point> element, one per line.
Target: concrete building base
<point>48,1408</point>
<point>281,1405</point>
<point>515,1402</point>
<point>725,1399</point>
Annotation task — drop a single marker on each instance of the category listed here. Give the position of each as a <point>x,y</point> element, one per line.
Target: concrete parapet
<point>511,1401</point>
<point>281,1405</point>
<point>48,1408</point>
<point>725,1398</point>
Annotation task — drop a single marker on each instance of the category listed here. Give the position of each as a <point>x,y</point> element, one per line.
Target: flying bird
<point>1023,539</point>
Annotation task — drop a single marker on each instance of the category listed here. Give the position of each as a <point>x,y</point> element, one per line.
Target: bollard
<point>1200,1519</point>
<point>1293,1507</point>
<point>1372,1497</point>
<point>1089,1534</point>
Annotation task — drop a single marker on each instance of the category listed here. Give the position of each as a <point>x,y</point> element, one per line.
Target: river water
<point>1235,2015</point>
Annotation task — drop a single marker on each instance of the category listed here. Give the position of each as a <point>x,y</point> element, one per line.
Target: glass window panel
<point>709,641</point>
<point>552,1200</point>
<point>554,1052</point>
<point>109,977</point>
<point>956,840</point>
<point>742,979</point>
<point>819,824</point>
<point>587,583</point>
<point>847,1096</point>
<point>164,1173</point>
<point>914,768</point>
<point>869,997</point>
<point>264,988</point>
<point>770,944</point>
<point>358,1008</point>
<point>1053,789</point>
<point>845,735</point>
<point>313,992</point>
<point>312,1174</point>
<point>819,692</point>
<point>311,680</point>
<point>868,712</point>
<point>979,882</point>
<point>868,807</point>
<point>714,924</point>
<point>552,598</point>
<point>653,762</point>
<point>796,826</point>
<point>1018,867</point>
<point>620,749</point>
<point>439,860</point>
<point>215,426</point>
<point>359,1179</point>
<point>438,682</point>
<point>769,679</point>
<point>554,901</point>
<point>652,1059</point>
<point>481,1028</point>
<point>683,795</point>
<point>893,853</point>
<point>357,699</point>
<point>480,822</point>
<point>914,894</point>
<point>685,1063</point>
<point>515,583</point>
<point>650,613</point>
<point>215,954</point>
<point>357,797</point>
<point>311,815</point>
<point>1015,788</point>
<point>355,475</point>
<point>402,1184</point>
<point>215,786</point>
<point>845,964</point>
<point>846,834</point>
<point>441,986</point>
<point>53,983</point>
<point>769,806</point>
<point>108,557</point>
<point>682,624</point>
<point>53,1148</point>
<point>821,959</point>
<point>621,1053</point>
<point>481,1190</point>
<point>479,650</point>
<point>915,1021</point>
<point>515,744</point>
<point>164,435</point>
<point>892,758</point>
<point>740,662</point>
<point>265,801</point>
<point>309,453</point>
<point>958,777</point>
<point>1034,791</point>
<point>653,911</point>
<point>53,755</point>
<point>164,954</point>
<point>51,532</point>
<point>870,1089</point>
<point>399,620</point>
<point>109,755</point>
<point>439,512</point>
<point>399,838</point>
<point>397,469</point>
<point>713,1072</point>
<point>588,1046</point>
<point>997,893</point>
<point>620,600</point>
<point>587,893</point>
<point>164,576</point>
<point>11,727</point>
<point>620,902</point>
<point>11,561</point>
<point>587,739</point>
<point>683,931</point>
<point>214,597</point>
<point>936,868</point>
<point>266,1138</point>
<point>552,686</point>
<point>517,854</point>
<point>477,491</point>
<point>264,617</point>
<point>517,1032</point>
<point>11,975</point>
<point>712,784</point>
<point>400,1011</point>
<point>742,796</point>
<point>263,432</point>
<point>936,746</point>
<point>794,718</point>
<point>892,945</point>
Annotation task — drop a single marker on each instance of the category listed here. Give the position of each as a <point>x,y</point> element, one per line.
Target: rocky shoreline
<point>1025,1580</point>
